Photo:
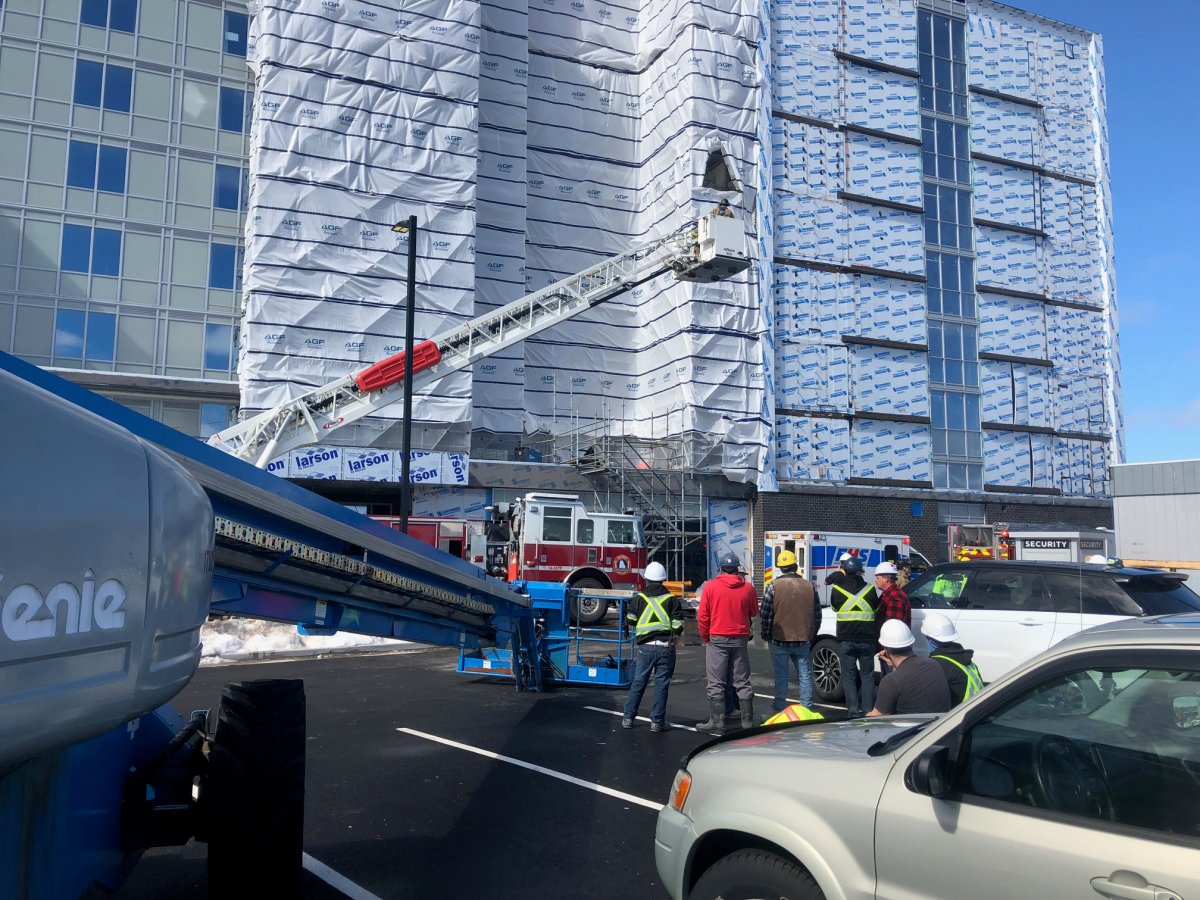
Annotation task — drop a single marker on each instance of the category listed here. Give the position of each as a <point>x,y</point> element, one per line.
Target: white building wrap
<point>532,138</point>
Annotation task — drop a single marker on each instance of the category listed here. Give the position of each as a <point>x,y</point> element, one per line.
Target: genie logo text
<point>28,615</point>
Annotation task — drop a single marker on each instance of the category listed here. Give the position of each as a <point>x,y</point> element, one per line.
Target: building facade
<point>123,157</point>
<point>197,207</point>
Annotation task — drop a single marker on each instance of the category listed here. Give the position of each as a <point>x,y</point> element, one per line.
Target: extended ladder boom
<point>711,250</point>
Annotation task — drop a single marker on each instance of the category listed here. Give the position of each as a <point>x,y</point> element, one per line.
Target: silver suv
<point>1075,775</point>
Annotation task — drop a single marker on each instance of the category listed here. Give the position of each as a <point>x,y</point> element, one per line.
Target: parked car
<point>1008,611</point>
<point>1077,774</point>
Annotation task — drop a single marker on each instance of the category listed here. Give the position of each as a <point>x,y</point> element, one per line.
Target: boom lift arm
<point>712,249</point>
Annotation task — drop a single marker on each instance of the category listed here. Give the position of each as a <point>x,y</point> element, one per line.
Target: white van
<point>817,553</point>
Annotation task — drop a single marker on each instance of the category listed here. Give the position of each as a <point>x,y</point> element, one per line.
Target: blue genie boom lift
<point>123,535</point>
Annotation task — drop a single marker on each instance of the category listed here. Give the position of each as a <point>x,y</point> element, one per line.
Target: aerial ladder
<point>711,249</point>
<point>131,533</point>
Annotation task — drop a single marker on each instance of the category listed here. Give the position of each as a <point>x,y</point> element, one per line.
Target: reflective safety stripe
<point>654,617</point>
<point>856,608</point>
<point>974,679</point>
<point>795,713</point>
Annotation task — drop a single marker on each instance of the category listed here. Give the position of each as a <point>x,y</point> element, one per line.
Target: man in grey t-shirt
<point>915,684</point>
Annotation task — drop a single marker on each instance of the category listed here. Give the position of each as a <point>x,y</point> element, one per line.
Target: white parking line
<point>617,712</point>
<point>562,776</point>
<point>338,882</point>
<point>790,700</point>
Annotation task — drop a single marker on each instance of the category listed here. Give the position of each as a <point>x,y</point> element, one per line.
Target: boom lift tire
<point>252,799</point>
<point>589,610</point>
<point>752,874</point>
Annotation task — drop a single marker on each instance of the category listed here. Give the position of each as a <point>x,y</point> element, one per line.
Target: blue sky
<point>1152,65</point>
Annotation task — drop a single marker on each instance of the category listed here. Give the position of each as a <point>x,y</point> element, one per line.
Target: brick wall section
<point>789,511</point>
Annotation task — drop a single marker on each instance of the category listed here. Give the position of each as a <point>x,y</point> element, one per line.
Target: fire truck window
<point>556,524</point>
<point>585,531</point>
<point>620,533</point>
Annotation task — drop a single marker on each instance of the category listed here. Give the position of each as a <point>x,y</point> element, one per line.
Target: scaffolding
<point>654,477</point>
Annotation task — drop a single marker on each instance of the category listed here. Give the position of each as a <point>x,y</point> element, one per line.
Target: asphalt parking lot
<point>421,782</point>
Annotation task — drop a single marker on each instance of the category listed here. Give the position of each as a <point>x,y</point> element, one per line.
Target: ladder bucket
<point>388,371</point>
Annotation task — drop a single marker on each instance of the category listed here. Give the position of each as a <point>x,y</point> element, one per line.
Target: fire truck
<point>967,542</point>
<point>546,537</point>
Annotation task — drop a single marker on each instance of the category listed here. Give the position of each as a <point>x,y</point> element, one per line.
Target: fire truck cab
<point>555,538</point>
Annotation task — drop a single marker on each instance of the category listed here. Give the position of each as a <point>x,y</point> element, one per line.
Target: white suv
<point>1076,775</point>
<point>1007,612</point>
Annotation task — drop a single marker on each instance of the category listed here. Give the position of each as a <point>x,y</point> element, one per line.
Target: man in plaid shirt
<point>893,601</point>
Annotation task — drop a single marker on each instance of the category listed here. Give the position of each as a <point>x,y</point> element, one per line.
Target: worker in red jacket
<point>728,603</point>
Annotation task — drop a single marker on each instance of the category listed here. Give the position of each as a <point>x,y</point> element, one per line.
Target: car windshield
<point>1161,596</point>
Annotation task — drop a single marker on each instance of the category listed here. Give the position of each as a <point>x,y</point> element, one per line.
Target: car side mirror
<point>929,772</point>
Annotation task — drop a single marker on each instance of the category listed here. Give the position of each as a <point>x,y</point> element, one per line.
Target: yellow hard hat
<point>785,558</point>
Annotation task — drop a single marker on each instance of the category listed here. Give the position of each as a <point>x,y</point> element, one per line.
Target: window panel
<point>68,333</point>
<point>113,166</point>
<point>217,353</point>
<point>106,252</point>
<point>123,15</point>
<point>81,165</point>
<point>235,33</point>
<point>227,187</point>
<point>101,336</point>
<point>233,109</point>
<point>213,418</point>
<point>221,261</point>
<point>89,77</point>
<point>76,249</point>
<point>94,12</point>
<point>118,88</point>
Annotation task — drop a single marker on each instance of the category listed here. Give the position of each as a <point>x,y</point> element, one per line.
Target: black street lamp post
<point>410,313</point>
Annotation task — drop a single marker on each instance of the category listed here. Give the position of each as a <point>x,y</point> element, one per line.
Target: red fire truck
<point>547,537</point>
<point>967,542</point>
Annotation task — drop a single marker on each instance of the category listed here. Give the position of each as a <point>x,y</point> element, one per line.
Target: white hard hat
<point>886,568</point>
<point>656,572</point>
<point>895,635</point>
<point>1096,559</point>
<point>939,628</point>
<point>844,557</point>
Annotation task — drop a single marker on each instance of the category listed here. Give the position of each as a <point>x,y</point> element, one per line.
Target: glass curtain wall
<point>952,313</point>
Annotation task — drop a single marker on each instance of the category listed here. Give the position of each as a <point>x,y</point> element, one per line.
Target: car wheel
<point>827,672</point>
<point>755,875</point>
<point>588,610</point>
<point>252,799</point>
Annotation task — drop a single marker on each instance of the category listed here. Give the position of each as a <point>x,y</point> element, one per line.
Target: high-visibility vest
<point>654,617</point>
<point>950,588</point>
<point>856,608</point>
<point>795,713</point>
<point>974,679</point>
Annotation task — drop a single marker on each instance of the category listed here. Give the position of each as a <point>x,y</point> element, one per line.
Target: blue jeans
<point>783,658</point>
<point>659,660</point>
<point>860,655</point>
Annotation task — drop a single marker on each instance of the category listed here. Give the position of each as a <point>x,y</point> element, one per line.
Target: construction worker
<point>893,601</point>
<point>656,616</point>
<point>722,209</point>
<point>916,684</point>
<point>855,604</point>
<point>728,603</point>
<point>949,588</point>
<point>789,618</point>
<point>839,573</point>
<point>961,673</point>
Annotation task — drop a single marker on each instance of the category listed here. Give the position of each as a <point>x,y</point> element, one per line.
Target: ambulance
<point>817,553</point>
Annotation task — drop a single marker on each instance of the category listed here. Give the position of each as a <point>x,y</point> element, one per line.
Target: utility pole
<point>410,314</point>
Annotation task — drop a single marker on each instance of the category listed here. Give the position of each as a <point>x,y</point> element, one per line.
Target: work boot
<point>748,713</point>
<point>716,718</point>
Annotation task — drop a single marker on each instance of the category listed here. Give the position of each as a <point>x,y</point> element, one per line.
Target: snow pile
<point>230,639</point>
